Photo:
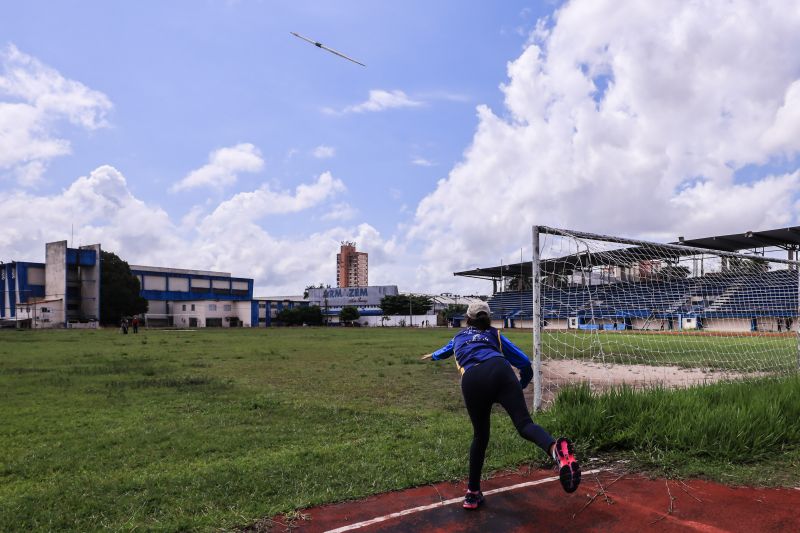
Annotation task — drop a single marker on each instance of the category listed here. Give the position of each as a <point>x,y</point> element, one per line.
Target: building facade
<point>195,298</point>
<point>62,292</point>
<point>268,307</point>
<point>352,267</point>
<point>366,299</point>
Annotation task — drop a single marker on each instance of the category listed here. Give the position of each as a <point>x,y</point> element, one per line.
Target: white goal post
<point>610,310</point>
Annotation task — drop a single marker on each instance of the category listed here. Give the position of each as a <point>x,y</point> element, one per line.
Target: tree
<point>454,310</point>
<point>673,272</point>
<point>348,314</point>
<point>403,304</point>
<point>739,265</point>
<point>119,290</point>
<point>304,314</point>
<point>445,316</point>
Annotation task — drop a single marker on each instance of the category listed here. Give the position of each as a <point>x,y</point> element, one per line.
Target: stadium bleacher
<point>770,294</point>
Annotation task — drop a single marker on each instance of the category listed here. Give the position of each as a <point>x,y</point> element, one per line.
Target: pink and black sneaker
<point>473,499</point>
<point>569,471</point>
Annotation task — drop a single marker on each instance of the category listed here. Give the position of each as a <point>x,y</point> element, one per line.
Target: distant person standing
<point>135,324</point>
<point>485,358</point>
<point>124,326</point>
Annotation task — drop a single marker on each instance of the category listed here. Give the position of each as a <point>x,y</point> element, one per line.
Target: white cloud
<point>379,100</point>
<point>324,152</point>
<point>342,211</point>
<point>634,126</point>
<point>784,133</point>
<point>448,96</point>
<point>255,205</point>
<point>30,174</point>
<point>422,162</point>
<point>101,208</point>
<point>222,168</point>
<point>34,100</point>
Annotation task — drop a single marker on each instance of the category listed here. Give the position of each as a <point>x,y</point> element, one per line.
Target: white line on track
<point>421,508</point>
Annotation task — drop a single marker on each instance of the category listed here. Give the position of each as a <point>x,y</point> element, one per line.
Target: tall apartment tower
<point>351,267</point>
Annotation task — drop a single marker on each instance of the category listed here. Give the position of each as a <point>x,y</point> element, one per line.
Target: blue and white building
<point>267,308</point>
<point>62,292</point>
<point>195,298</point>
<point>366,299</point>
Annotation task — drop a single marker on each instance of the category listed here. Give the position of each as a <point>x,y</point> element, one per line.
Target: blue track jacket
<point>472,347</point>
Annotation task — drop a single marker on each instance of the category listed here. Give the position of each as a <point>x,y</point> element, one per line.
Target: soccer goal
<point>609,311</point>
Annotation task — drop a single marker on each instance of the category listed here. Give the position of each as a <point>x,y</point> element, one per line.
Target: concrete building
<point>366,299</point>
<point>62,292</point>
<point>268,307</point>
<point>195,298</point>
<point>352,269</point>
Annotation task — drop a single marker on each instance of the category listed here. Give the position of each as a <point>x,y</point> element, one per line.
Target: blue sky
<point>186,78</point>
<point>203,135</point>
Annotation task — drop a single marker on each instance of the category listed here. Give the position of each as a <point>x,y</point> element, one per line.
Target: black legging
<point>493,381</point>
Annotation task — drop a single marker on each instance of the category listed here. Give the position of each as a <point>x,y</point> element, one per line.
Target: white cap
<point>478,307</point>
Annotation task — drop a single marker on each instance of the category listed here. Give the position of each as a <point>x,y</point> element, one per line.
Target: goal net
<point>609,311</point>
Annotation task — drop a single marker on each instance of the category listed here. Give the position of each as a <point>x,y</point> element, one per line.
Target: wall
<point>735,324</point>
<point>393,321</point>
<point>90,284</point>
<point>56,274</point>
<point>244,311</point>
<point>552,323</point>
<point>210,309</point>
<point>355,296</point>
<point>653,324</point>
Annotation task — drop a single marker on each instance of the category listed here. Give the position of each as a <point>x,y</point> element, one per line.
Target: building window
<point>212,307</point>
<point>184,307</point>
<point>192,307</point>
<point>226,307</point>
<point>262,306</point>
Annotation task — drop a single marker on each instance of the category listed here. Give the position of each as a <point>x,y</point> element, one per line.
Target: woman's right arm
<point>442,353</point>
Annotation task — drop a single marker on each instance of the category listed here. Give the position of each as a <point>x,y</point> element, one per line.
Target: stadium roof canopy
<point>785,238</point>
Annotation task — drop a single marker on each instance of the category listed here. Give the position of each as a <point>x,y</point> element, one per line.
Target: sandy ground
<point>558,373</point>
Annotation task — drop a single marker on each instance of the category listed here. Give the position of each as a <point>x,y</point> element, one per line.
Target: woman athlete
<point>484,358</point>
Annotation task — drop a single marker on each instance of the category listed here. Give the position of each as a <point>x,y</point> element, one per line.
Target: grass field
<point>200,430</point>
<point>746,353</point>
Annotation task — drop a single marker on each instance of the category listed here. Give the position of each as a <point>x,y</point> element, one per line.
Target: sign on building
<point>354,296</point>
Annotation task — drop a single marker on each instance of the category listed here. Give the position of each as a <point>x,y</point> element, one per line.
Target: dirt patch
<point>599,376</point>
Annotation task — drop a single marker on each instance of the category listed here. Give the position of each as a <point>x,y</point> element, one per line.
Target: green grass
<point>214,429</point>
<point>742,353</point>
<point>737,422</point>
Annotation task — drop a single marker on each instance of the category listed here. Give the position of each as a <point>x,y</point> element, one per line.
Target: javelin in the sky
<point>331,50</point>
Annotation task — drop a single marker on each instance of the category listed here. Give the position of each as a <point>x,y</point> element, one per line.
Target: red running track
<point>606,501</point>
